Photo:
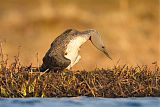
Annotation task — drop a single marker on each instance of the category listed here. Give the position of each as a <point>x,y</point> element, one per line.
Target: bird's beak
<point>106,53</point>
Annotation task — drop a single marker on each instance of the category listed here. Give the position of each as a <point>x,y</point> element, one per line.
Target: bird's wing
<point>59,60</point>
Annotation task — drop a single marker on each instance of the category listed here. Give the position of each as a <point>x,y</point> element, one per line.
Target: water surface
<point>80,102</point>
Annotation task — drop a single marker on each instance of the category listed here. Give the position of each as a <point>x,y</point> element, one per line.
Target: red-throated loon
<point>63,53</point>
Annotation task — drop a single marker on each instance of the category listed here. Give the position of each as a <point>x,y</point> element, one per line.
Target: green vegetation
<point>120,81</point>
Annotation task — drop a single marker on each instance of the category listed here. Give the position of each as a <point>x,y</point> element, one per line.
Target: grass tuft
<point>120,81</point>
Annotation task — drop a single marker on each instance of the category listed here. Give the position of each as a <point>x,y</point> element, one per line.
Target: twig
<point>1,51</point>
<point>37,61</point>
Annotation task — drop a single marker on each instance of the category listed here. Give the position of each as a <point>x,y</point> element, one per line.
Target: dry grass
<point>119,81</point>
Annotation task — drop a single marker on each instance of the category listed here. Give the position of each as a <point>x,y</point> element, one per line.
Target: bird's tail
<point>43,68</point>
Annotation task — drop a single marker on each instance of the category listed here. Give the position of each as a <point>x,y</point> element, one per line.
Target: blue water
<point>80,102</point>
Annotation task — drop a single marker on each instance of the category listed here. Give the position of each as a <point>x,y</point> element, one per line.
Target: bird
<point>63,52</point>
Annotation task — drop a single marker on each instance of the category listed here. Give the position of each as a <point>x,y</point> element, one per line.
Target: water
<point>80,102</point>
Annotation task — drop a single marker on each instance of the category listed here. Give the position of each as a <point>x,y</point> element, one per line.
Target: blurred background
<point>130,29</point>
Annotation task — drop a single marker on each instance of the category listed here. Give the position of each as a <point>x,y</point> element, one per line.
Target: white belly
<point>73,48</point>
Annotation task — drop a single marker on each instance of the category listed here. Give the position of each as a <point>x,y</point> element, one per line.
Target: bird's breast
<point>73,47</point>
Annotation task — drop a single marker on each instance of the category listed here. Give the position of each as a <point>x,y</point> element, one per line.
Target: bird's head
<point>96,40</point>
